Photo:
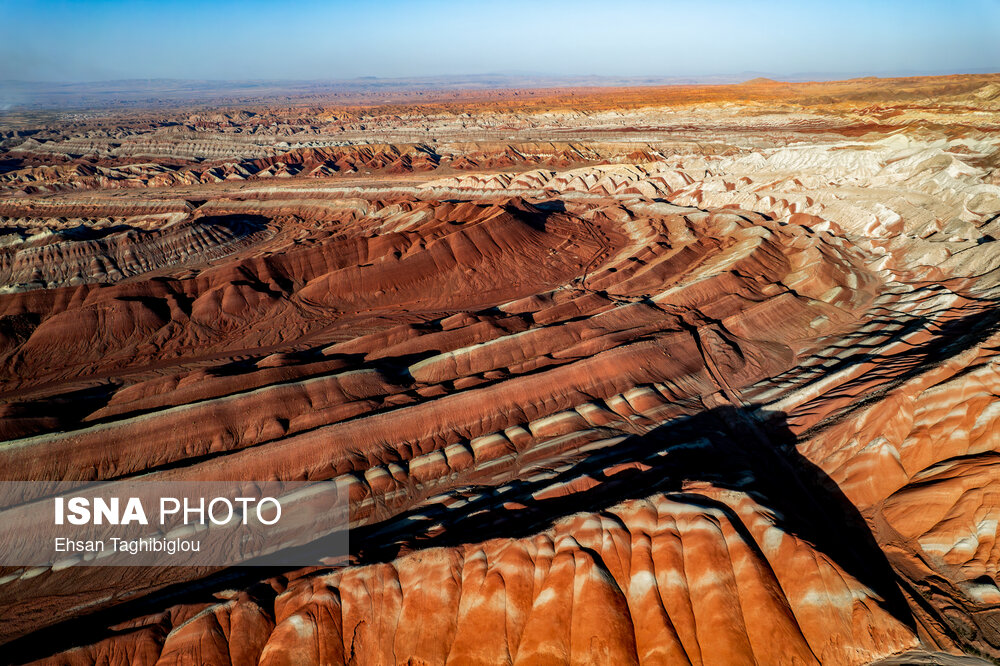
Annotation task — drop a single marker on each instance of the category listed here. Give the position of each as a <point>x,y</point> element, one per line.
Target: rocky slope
<point>719,394</point>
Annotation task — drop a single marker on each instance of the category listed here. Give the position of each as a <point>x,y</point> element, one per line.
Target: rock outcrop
<point>726,397</point>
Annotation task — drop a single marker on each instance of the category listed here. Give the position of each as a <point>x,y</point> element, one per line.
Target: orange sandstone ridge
<point>683,375</point>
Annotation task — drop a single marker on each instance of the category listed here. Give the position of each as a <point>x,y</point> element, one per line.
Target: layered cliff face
<point>727,401</point>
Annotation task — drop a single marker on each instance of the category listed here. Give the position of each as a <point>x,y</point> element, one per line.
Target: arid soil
<point>652,375</point>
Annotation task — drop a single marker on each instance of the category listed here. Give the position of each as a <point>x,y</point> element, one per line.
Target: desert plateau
<point>690,374</point>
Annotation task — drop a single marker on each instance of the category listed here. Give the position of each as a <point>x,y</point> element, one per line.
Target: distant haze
<point>99,40</point>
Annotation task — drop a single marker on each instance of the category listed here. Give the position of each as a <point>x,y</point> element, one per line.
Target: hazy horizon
<point>790,77</point>
<point>110,40</point>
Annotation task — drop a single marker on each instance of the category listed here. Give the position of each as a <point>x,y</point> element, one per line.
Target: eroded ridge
<point>731,402</point>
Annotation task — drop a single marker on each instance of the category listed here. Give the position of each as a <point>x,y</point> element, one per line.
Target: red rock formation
<point>577,423</point>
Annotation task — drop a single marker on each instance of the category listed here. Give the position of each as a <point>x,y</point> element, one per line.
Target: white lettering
<point>79,509</point>
<point>163,507</point>
<point>211,510</point>
<point>277,510</point>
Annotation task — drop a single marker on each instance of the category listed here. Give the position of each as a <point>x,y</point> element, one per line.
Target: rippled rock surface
<point>639,382</point>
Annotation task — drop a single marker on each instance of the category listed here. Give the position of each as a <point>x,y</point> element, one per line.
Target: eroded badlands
<point>682,376</point>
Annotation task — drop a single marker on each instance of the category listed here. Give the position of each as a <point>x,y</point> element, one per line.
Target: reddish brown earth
<point>694,376</point>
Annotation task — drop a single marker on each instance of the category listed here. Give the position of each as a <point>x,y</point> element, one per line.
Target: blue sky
<point>114,39</point>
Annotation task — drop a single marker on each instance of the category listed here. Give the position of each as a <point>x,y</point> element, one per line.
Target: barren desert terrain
<point>679,375</point>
